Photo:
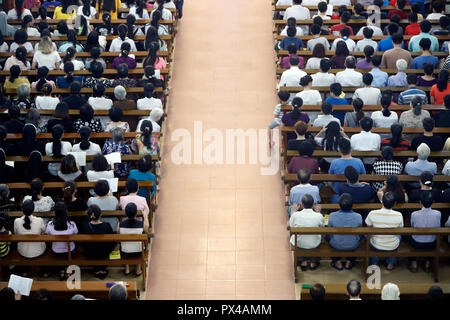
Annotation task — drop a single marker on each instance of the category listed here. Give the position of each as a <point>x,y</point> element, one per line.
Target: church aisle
<point>220,230</point>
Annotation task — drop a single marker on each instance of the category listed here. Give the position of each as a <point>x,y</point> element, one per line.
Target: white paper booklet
<point>80,157</point>
<point>113,184</point>
<point>113,157</point>
<point>20,284</point>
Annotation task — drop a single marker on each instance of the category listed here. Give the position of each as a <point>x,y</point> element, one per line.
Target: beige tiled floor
<point>220,229</point>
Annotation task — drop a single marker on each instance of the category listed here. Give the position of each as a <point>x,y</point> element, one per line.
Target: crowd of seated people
<point>418,88</point>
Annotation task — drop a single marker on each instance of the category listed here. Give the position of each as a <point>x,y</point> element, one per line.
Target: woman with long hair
<point>100,169</point>
<point>384,118</point>
<point>440,89</point>
<point>27,25</point>
<point>93,41</point>
<point>7,173</point>
<point>19,11</point>
<point>15,79</point>
<point>106,28</point>
<point>71,41</point>
<point>139,11</point>
<point>42,78</point>
<point>97,77</point>
<point>396,141</point>
<point>124,57</point>
<point>46,101</point>
<point>108,6</point>
<point>87,119</point>
<point>318,53</point>
<point>72,202</point>
<point>29,141</point>
<point>19,59</point>
<point>57,148</point>
<point>156,16</point>
<point>338,60</point>
<point>143,173</point>
<point>29,225</point>
<point>290,118</point>
<point>393,184</point>
<point>69,68</point>
<point>366,62</point>
<point>61,225</point>
<point>46,56</point>
<point>95,57</point>
<point>413,118</point>
<point>69,170</point>
<point>328,138</point>
<point>152,36</point>
<point>86,10</point>
<point>85,145</point>
<point>34,168</point>
<point>123,37</point>
<point>41,203</point>
<point>61,117</point>
<point>62,11</point>
<point>21,40</point>
<point>352,119</point>
<point>152,58</point>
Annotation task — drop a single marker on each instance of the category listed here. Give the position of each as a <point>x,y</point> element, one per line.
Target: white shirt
<point>156,126</point>
<point>12,14</point>
<point>349,78</point>
<point>46,102</point>
<point>37,227</point>
<point>313,63</point>
<point>339,2</point>
<point>310,2</point>
<point>385,218</point>
<point>284,3</point>
<point>44,204</point>
<point>304,219</point>
<point>145,15</point>
<point>324,17</point>
<point>94,176</point>
<point>299,31</point>
<point>47,60</point>
<point>166,14</point>
<point>324,119</point>
<point>54,167</point>
<point>369,95</point>
<point>291,77</point>
<point>361,44</point>
<point>322,79</point>
<point>434,16</point>
<point>365,141</point>
<point>149,103</point>
<point>27,46</point>
<point>380,121</point>
<point>77,65</point>
<point>310,97</point>
<point>298,12</point>
<point>100,103</point>
<point>93,149</point>
<point>117,43</point>
<point>33,32</point>
<point>349,42</point>
<point>91,15</point>
<point>4,47</point>
<point>312,43</point>
<point>376,31</point>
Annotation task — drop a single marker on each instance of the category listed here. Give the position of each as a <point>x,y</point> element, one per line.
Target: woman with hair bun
<point>20,59</point>
<point>72,202</point>
<point>41,203</point>
<point>440,89</point>
<point>85,145</point>
<point>57,149</point>
<point>29,225</point>
<point>413,118</point>
<point>5,203</point>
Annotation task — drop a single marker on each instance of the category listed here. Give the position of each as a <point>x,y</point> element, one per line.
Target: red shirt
<point>402,146</point>
<point>394,2</point>
<point>439,95</point>
<point>298,163</point>
<point>412,29</point>
<point>339,27</point>
<point>402,14</point>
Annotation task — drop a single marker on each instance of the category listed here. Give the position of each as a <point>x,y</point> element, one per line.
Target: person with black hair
<point>413,118</point>
<point>361,192</point>
<point>97,77</point>
<point>108,6</point>
<point>104,198</point>
<point>317,292</point>
<point>46,101</point>
<point>163,7</point>
<point>87,10</point>
<point>315,32</point>
<point>345,17</point>
<point>72,202</point>
<point>95,52</point>
<point>62,11</point>
<point>29,142</point>
<point>390,57</point>
<point>393,185</point>
<point>147,142</point>
<point>292,50</point>
<point>369,95</point>
<point>117,42</point>
<point>303,187</point>
<point>116,114</point>
<point>42,75</point>
<point>366,140</point>
<point>444,23</point>
<point>117,144</point>
<point>396,140</point>
<point>367,41</point>
<point>434,142</point>
<point>345,37</point>
<point>87,119</point>
<point>124,57</point>
<point>336,98</point>
<point>8,295</point>
<point>149,102</point>
<point>406,96</point>
<point>291,39</point>
<point>440,89</point>
<point>322,8</point>
<point>9,148</point>
<point>443,118</point>
<point>427,80</point>
<point>426,56</point>
<point>57,148</point>
<point>438,9</point>
<point>386,166</point>
<point>124,80</point>
<point>7,172</point>
<point>292,76</point>
<point>153,59</point>
<point>399,10</point>
<point>425,28</point>
<point>95,250</point>
<point>385,218</point>
<point>143,173</point>
<point>133,197</point>
<point>379,77</point>
<point>323,78</point>
<point>413,27</point>
<point>384,118</point>
<point>99,169</point>
<point>366,63</point>
<point>61,116</point>
<point>13,125</point>
<point>309,95</point>
<point>14,79</point>
<point>344,218</point>
<point>289,119</point>
<point>152,76</point>
<point>156,17</point>
<point>328,138</point>
<point>34,168</point>
<point>341,53</point>
<point>6,204</point>
<point>19,59</point>
<point>307,217</point>
<point>318,54</point>
<point>69,170</point>
<point>29,224</point>
<point>4,246</point>
<point>41,203</point>
<point>19,11</point>
<point>325,116</point>
<point>85,145</point>
<point>131,225</point>
<point>435,293</point>
<point>304,159</point>
<point>74,101</point>
<point>69,65</point>
<point>426,185</point>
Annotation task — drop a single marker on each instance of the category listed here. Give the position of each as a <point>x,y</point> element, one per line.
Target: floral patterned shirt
<point>120,169</point>
<point>94,124</point>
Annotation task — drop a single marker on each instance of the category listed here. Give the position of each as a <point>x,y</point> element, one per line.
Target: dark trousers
<point>419,245</point>
<point>179,5</point>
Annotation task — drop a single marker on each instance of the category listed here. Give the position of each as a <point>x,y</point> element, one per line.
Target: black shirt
<point>7,174</point>
<point>25,150</point>
<point>14,126</point>
<point>9,148</point>
<point>442,119</point>
<point>294,144</point>
<point>97,249</point>
<point>74,102</point>
<point>414,195</point>
<point>77,205</point>
<point>66,123</point>
<point>434,142</point>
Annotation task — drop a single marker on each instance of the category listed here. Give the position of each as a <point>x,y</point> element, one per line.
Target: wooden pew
<point>49,259</point>
<point>72,112</point>
<point>97,290</point>
<point>350,89</point>
<point>334,71</point>
<point>109,38</point>
<point>94,22</point>
<point>375,38</point>
<point>403,154</point>
<point>108,73</point>
<point>89,91</point>
<point>306,53</point>
<point>285,129</point>
<point>364,251</point>
<point>67,135</point>
<point>408,291</point>
<point>78,214</point>
<point>120,10</point>
<point>104,54</point>
<point>376,206</point>
<point>335,8</point>
<point>126,157</point>
<point>406,107</point>
<point>292,177</point>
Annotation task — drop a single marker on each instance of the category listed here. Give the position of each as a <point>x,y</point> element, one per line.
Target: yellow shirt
<point>13,85</point>
<point>58,14</point>
<point>113,13</point>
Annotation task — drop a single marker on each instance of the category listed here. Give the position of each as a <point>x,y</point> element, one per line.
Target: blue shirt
<point>418,62</point>
<point>386,44</point>
<point>297,193</point>
<point>338,167</point>
<point>422,5</point>
<point>143,176</point>
<point>406,96</point>
<point>425,218</point>
<point>61,82</point>
<point>338,101</point>
<point>379,77</point>
<point>414,42</point>
<point>288,40</point>
<point>360,192</point>
<point>398,80</point>
<point>344,219</point>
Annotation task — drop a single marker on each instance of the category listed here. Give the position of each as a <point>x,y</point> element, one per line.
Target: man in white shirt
<point>298,12</point>
<point>309,96</point>
<point>291,77</point>
<point>367,41</point>
<point>304,219</point>
<point>376,30</point>
<point>315,31</point>
<point>366,140</point>
<point>385,218</point>
<point>149,103</point>
<point>291,22</point>
<point>349,77</point>
<point>323,78</point>
<point>326,116</point>
<point>354,290</point>
<point>369,95</point>
<point>345,34</point>
<point>304,187</point>
<point>438,11</point>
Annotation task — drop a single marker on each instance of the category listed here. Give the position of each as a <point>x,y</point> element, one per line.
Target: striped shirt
<point>406,96</point>
<point>384,218</point>
<point>4,246</point>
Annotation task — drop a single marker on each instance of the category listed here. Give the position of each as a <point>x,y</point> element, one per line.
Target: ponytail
<point>295,114</point>
<point>42,75</point>
<point>358,106</point>
<point>68,191</point>
<point>14,73</point>
<point>57,133</point>
<point>386,111</point>
<point>417,105</point>
<point>85,133</point>
<point>27,208</point>
<point>36,187</point>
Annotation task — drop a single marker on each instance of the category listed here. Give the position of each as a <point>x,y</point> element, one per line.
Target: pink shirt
<point>50,82</point>
<point>160,64</point>
<point>140,202</point>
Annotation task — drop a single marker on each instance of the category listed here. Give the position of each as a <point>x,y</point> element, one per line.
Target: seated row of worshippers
<point>62,224</point>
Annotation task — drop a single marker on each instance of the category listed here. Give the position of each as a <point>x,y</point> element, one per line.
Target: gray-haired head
<point>401,65</point>
<point>156,114</point>
<point>390,291</point>
<point>120,93</point>
<point>350,62</point>
<point>78,297</point>
<point>23,91</point>
<point>423,151</point>
<point>33,116</point>
<point>117,135</point>
<point>118,292</point>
